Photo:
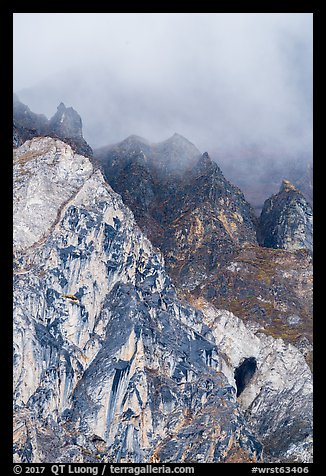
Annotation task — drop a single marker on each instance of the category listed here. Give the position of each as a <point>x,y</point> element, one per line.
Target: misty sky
<point>224,81</point>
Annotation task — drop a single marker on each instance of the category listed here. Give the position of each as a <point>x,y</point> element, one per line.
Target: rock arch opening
<point>244,373</point>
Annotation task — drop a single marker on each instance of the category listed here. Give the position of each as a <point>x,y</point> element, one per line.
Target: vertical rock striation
<point>109,365</point>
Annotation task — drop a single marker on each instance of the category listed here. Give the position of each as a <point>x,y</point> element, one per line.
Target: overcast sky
<point>223,80</point>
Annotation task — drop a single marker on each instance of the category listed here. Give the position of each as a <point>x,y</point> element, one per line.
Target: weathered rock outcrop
<point>274,385</point>
<point>109,364</point>
<point>286,220</point>
<point>66,122</point>
<point>66,125</point>
<point>211,220</point>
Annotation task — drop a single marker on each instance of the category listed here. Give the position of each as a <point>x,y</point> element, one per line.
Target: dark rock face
<point>258,173</point>
<point>26,124</point>
<point>211,219</point>
<point>66,122</point>
<point>286,220</point>
<point>66,125</point>
<point>182,201</point>
<point>244,373</point>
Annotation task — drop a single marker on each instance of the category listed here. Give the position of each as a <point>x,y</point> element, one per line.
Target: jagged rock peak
<point>180,143</point>
<point>66,125</point>
<point>178,138</point>
<point>287,186</point>
<point>286,220</point>
<point>205,160</point>
<point>61,107</point>
<point>208,166</point>
<point>66,122</point>
<point>170,157</point>
<point>132,144</point>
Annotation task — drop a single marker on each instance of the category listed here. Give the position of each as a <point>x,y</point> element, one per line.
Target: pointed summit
<point>206,160</point>
<point>287,186</point>
<point>66,123</point>
<point>176,153</point>
<point>133,143</point>
<point>61,106</point>
<point>286,220</point>
<point>205,165</point>
<point>180,141</point>
<point>178,137</point>
<point>135,138</point>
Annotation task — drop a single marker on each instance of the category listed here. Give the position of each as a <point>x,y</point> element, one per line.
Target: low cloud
<point>227,82</point>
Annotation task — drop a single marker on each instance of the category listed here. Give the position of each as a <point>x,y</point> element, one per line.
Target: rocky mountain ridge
<point>66,124</point>
<point>112,362</point>
<point>95,310</point>
<point>286,220</point>
<point>207,233</point>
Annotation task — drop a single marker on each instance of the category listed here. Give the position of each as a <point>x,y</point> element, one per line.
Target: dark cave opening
<point>244,373</point>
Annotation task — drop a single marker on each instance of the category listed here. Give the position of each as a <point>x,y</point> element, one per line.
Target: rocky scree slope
<point>66,124</point>
<point>109,365</point>
<point>206,231</point>
<point>271,290</point>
